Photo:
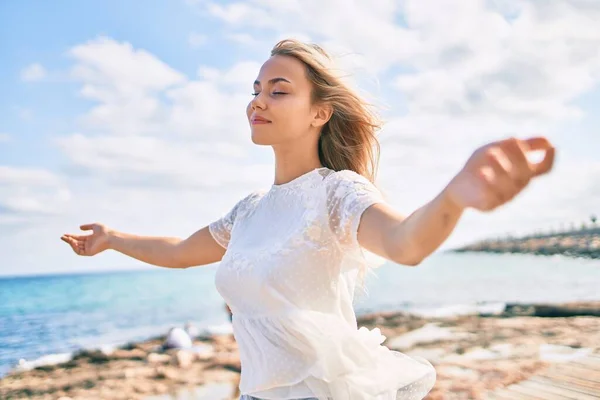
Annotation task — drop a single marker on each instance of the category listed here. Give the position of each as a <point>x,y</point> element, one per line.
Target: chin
<point>262,140</point>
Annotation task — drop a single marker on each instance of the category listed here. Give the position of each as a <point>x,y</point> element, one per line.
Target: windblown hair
<point>348,139</point>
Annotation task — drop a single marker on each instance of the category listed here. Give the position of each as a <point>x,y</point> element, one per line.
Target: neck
<point>296,159</point>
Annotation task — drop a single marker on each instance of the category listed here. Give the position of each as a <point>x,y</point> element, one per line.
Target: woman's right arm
<point>198,249</point>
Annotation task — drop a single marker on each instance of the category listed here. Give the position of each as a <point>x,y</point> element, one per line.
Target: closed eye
<point>274,93</point>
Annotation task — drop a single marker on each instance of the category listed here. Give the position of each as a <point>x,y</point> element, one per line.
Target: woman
<point>291,256</point>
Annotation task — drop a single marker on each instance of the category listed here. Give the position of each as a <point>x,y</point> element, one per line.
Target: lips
<point>259,120</point>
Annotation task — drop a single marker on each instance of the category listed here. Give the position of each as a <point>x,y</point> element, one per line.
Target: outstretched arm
<point>198,249</point>
<point>205,246</point>
<point>492,176</point>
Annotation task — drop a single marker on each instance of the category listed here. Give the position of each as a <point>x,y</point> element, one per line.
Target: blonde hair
<point>347,140</point>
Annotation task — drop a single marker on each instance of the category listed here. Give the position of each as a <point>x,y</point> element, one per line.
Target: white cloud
<point>461,57</point>
<point>120,69</point>
<point>34,72</point>
<point>369,29</point>
<point>163,131</point>
<point>471,72</point>
<point>153,142</point>
<point>30,191</point>
<point>197,40</point>
<point>126,83</point>
<point>475,61</point>
<point>140,95</point>
<point>421,154</point>
<point>157,162</point>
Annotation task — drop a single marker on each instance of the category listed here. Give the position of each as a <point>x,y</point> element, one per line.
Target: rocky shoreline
<point>472,355</point>
<point>583,243</point>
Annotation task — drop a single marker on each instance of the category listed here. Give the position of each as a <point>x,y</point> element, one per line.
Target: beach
<point>483,320</point>
<point>472,354</point>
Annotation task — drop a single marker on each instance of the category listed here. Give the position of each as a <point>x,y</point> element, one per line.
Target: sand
<point>472,355</point>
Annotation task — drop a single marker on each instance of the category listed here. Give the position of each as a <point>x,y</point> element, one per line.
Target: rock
<point>429,333</point>
<point>130,373</point>
<point>203,351</point>
<point>162,372</point>
<point>552,310</point>
<point>156,358</point>
<point>226,360</point>
<point>135,354</point>
<point>222,340</point>
<point>92,356</point>
<point>184,359</point>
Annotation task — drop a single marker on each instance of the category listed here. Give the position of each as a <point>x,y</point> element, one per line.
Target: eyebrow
<point>273,81</point>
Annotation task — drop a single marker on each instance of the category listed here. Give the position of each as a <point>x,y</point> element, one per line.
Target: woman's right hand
<point>88,245</point>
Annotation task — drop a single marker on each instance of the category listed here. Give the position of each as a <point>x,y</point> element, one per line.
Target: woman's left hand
<point>497,172</point>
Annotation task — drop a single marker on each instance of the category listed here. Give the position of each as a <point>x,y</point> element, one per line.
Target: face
<point>281,110</point>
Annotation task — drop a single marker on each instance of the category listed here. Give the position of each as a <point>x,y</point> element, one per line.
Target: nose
<point>257,102</point>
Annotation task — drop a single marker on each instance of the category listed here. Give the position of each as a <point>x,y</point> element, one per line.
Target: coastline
<point>472,354</point>
<point>575,243</point>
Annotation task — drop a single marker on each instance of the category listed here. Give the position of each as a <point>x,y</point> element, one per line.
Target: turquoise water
<point>59,314</point>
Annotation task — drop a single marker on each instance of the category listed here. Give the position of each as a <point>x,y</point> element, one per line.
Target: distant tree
<point>593,219</point>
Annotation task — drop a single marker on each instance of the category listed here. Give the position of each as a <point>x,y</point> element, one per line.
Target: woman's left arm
<point>492,176</point>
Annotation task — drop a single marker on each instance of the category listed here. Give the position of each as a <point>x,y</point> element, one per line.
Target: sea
<point>44,319</point>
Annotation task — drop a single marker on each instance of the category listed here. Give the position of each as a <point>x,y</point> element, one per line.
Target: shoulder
<point>251,199</point>
<point>247,203</point>
<point>341,183</point>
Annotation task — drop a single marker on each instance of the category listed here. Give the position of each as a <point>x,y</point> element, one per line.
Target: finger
<point>500,181</point>
<point>67,239</point>
<point>544,166</point>
<point>499,187</point>
<point>87,227</point>
<point>521,169</point>
<point>77,246</point>
<point>537,143</point>
<point>77,237</point>
<point>73,244</point>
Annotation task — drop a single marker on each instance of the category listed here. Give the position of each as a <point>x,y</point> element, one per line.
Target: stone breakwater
<point>582,243</point>
<point>472,354</point>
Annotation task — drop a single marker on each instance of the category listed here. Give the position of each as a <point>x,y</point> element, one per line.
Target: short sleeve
<point>221,228</point>
<point>348,196</point>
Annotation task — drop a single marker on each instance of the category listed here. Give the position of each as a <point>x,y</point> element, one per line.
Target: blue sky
<point>42,32</point>
<point>132,113</point>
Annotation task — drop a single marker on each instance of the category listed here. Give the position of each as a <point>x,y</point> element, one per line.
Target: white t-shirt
<point>289,275</point>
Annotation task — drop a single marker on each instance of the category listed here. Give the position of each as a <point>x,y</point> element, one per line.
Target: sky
<point>133,113</point>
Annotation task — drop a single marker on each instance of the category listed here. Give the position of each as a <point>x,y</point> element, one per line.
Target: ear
<point>322,114</point>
